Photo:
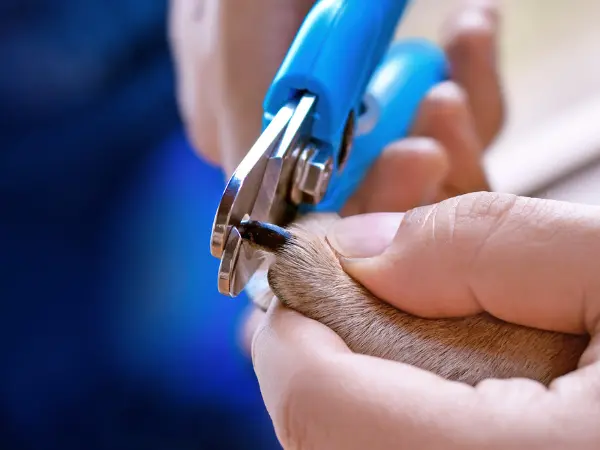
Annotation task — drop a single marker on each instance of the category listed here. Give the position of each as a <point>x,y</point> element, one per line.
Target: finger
<point>251,321</point>
<point>444,116</point>
<point>579,384</point>
<point>470,43</point>
<point>252,39</point>
<point>293,357</point>
<point>527,261</point>
<point>407,174</point>
<point>277,367</point>
<point>321,395</point>
<point>221,84</point>
<point>191,25</point>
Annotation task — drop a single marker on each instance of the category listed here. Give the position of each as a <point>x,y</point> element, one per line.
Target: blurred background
<point>548,51</point>
<point>113,333</point>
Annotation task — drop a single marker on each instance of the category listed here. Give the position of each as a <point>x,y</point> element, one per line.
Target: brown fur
<point>307,277</point>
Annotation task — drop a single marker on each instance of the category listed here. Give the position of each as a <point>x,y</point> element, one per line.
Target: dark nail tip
<point>264,235</point>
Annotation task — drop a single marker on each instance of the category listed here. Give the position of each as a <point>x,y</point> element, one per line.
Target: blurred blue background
<point>113,333</point>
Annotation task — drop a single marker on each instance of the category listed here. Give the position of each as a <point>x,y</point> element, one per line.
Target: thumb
<point>527,261</point>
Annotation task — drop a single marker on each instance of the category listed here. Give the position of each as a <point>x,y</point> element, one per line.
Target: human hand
<point>526,261</point>
<point>456,122</point>
<point>227,52</point>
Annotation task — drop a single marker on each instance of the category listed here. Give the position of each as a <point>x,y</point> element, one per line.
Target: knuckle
<point>478,214</point>
<point>420,219</point>
<point>490,206</point>
<point>481,216</point>
<point>485,209</point>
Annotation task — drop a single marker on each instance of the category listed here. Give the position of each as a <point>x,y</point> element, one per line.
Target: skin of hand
<point>527,261</point>
<point>227,52</point>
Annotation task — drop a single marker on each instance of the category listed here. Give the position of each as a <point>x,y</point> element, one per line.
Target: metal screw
<point>311,176</point>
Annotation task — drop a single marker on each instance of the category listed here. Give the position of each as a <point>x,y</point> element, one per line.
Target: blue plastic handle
<point>336,56</point>
<point>409,71</point>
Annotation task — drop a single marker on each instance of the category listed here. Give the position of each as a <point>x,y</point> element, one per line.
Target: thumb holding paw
<point>527,261</point>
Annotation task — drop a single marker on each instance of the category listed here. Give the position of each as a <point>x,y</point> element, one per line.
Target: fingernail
<point>480,15</point>
<point>489,7</point>
<point>365,235</point>
<point>475,18</point>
